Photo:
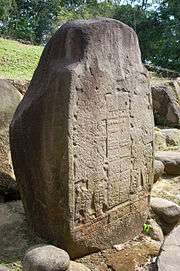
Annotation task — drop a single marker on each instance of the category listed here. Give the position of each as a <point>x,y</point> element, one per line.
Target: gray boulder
<point>166,105</point>
<point>46,258</point>
<point>169,259</point>
<point>9,100</point>
<point>165,209</point>
<point>158,169</point>
<point>171,161</point>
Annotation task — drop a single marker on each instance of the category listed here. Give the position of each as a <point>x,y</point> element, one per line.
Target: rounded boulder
<point>46,258</point>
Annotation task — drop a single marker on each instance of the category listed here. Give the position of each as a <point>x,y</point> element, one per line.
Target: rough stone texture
<point>77,267</point>
<point>156,232</point>
<point>171,161</point>
<point>158,169</point>
<point>85,146</point>
<point>159,140</point>
<point>165,209</point>
<point>169,259</point>
<point>168,188</point>
<point>166,104</point>
<point>46,258</point>
<point>9,100</point>
<point>20,85</point>
<point>135,255</point>
<point>172,136</point>
<point>167,139</point>
<point>16,238</point>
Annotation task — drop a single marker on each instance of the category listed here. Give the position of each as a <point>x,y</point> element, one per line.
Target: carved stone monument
<point>82,138</point>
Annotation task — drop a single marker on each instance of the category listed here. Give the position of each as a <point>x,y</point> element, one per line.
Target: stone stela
<point>82,138</point>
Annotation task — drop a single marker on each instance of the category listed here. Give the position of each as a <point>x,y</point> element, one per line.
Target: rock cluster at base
<point>130,256</point>
<point>85,146</point>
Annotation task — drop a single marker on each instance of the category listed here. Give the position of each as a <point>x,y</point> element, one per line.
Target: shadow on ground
<point>15,236</point>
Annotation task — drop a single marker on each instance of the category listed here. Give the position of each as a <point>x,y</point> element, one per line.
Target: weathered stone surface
<point>165,209</point>
<point>77,267</point>
<point>166,104</point>
<point>167,139</point>
<point>172,136</point>
<point>20,85</point>
<point>46,258</point>
<point>169,259</point>
<point>156,232</point>
<point>171,161</point>
<point>158,169</point>
<point>159,140</point>
<point>168,188</point>
<point>131,256</point>
<point>85,146</point>
<point>9,100</point>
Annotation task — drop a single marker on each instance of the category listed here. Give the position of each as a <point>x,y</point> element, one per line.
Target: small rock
<point>171,161</point>
<point>46,258</point>
<point>158,169</point>
<point>3,268</point>
<point>172,136</point>
<point>165,209</point>
<point>118,247</point>
<point>156,232</point>
<point>77,267</point>
<point>169,259</point>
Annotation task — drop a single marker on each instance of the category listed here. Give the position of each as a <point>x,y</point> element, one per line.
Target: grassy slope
<point>17,60</point>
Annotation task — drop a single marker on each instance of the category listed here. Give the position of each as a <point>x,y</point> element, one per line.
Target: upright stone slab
<point>82,138</point>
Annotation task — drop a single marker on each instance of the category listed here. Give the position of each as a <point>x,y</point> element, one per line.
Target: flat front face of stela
<point>89,148</point>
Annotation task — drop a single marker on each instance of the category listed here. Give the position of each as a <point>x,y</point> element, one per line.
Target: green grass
<point>17,60</point>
